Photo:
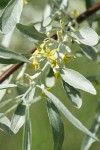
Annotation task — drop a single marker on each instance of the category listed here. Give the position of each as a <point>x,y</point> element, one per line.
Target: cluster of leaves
<point>54,49</point>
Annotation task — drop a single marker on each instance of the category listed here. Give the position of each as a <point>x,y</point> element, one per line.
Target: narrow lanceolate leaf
<point>18,118</point>
<point>6,86</point>
<point>8,61</point>
<point>76,80</point>
<point>57,125</point>
<point>11,57</point>
<point>67,113</point>
<point>5,124</point>
<point>88,141</point>
<point>2,92</point>
<point>11,15</point>
<point>30,31</point>
<point>89,52</point>
<point>73,94</point>
<point>27,133</point>
<point>64,4</point>
<point>86,36</point>
<point>28,97</point>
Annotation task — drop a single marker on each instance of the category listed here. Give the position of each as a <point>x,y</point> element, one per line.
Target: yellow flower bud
<point>75,13</point>
<point>57,75</point>
<point>36,64</point>
<point>54,63</point>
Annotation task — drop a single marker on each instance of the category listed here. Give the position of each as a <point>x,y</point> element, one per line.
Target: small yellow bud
<point>50,53</point>
<point>57,75</point>
<point>54,63</point>
<point>36,64</point>
<point>67,57</point>
<point>75,13</point>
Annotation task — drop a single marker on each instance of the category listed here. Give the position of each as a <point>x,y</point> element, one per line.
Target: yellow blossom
<point>50,53</point>
<point>59,35</point>
<point>75,13</point>
<point>67,57</point>
<point>39,49</point>
<point>54,63</point>
<point>57,74</point>
<point>63,23</point>
<point>36,64</point>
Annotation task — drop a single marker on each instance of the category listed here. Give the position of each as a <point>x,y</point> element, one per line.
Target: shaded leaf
<point>2,92</point>
<point>76,80</point>
<point>64,4</point>
<point>6,86</point>
<point>18,118</point>
<point>95,79</point>
<point>31,32</point>
<point>27,134</point>
<point>88,141</point>
<point>11,15</point>
<point>73,94</point>
<point>11,57</point>
<point>86,36</point>
<point>67,113</point>
<point>50,78</point>
<point>8,61</point>
<point>5,124</point>
<point>3,3</point>
<point>89,52</point>
<point>57,125</point>
<point>28,97</point>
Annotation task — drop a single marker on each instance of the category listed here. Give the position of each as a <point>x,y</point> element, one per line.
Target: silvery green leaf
<point>22,72</point>
<point>64,49</point>
<point>10,57</point>
<point>67,113</point>
<point>89,52</point>
<point>27,133</point>
<point>5,124</point>
<point>6,86</point>
<point>11,15</point>
<point>57,125</point>
<point>2,92</point>
<point>28,97</point>
<point>64,4</point>
<point>50,79</point>
<point>76,80</point>
<point>30,31</point>
<point>73,94</point>
<point>88,141</point>
<point>18,118</point>
<point>8,61</point>
<point>86,36</point>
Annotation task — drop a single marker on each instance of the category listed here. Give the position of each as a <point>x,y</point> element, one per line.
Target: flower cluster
<point>47,51</point>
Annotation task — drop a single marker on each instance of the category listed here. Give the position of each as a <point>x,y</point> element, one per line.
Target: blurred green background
<point>42,135</point>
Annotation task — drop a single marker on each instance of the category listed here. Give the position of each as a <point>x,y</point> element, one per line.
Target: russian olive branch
<point>88,13</point>
<point>79,19</point>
